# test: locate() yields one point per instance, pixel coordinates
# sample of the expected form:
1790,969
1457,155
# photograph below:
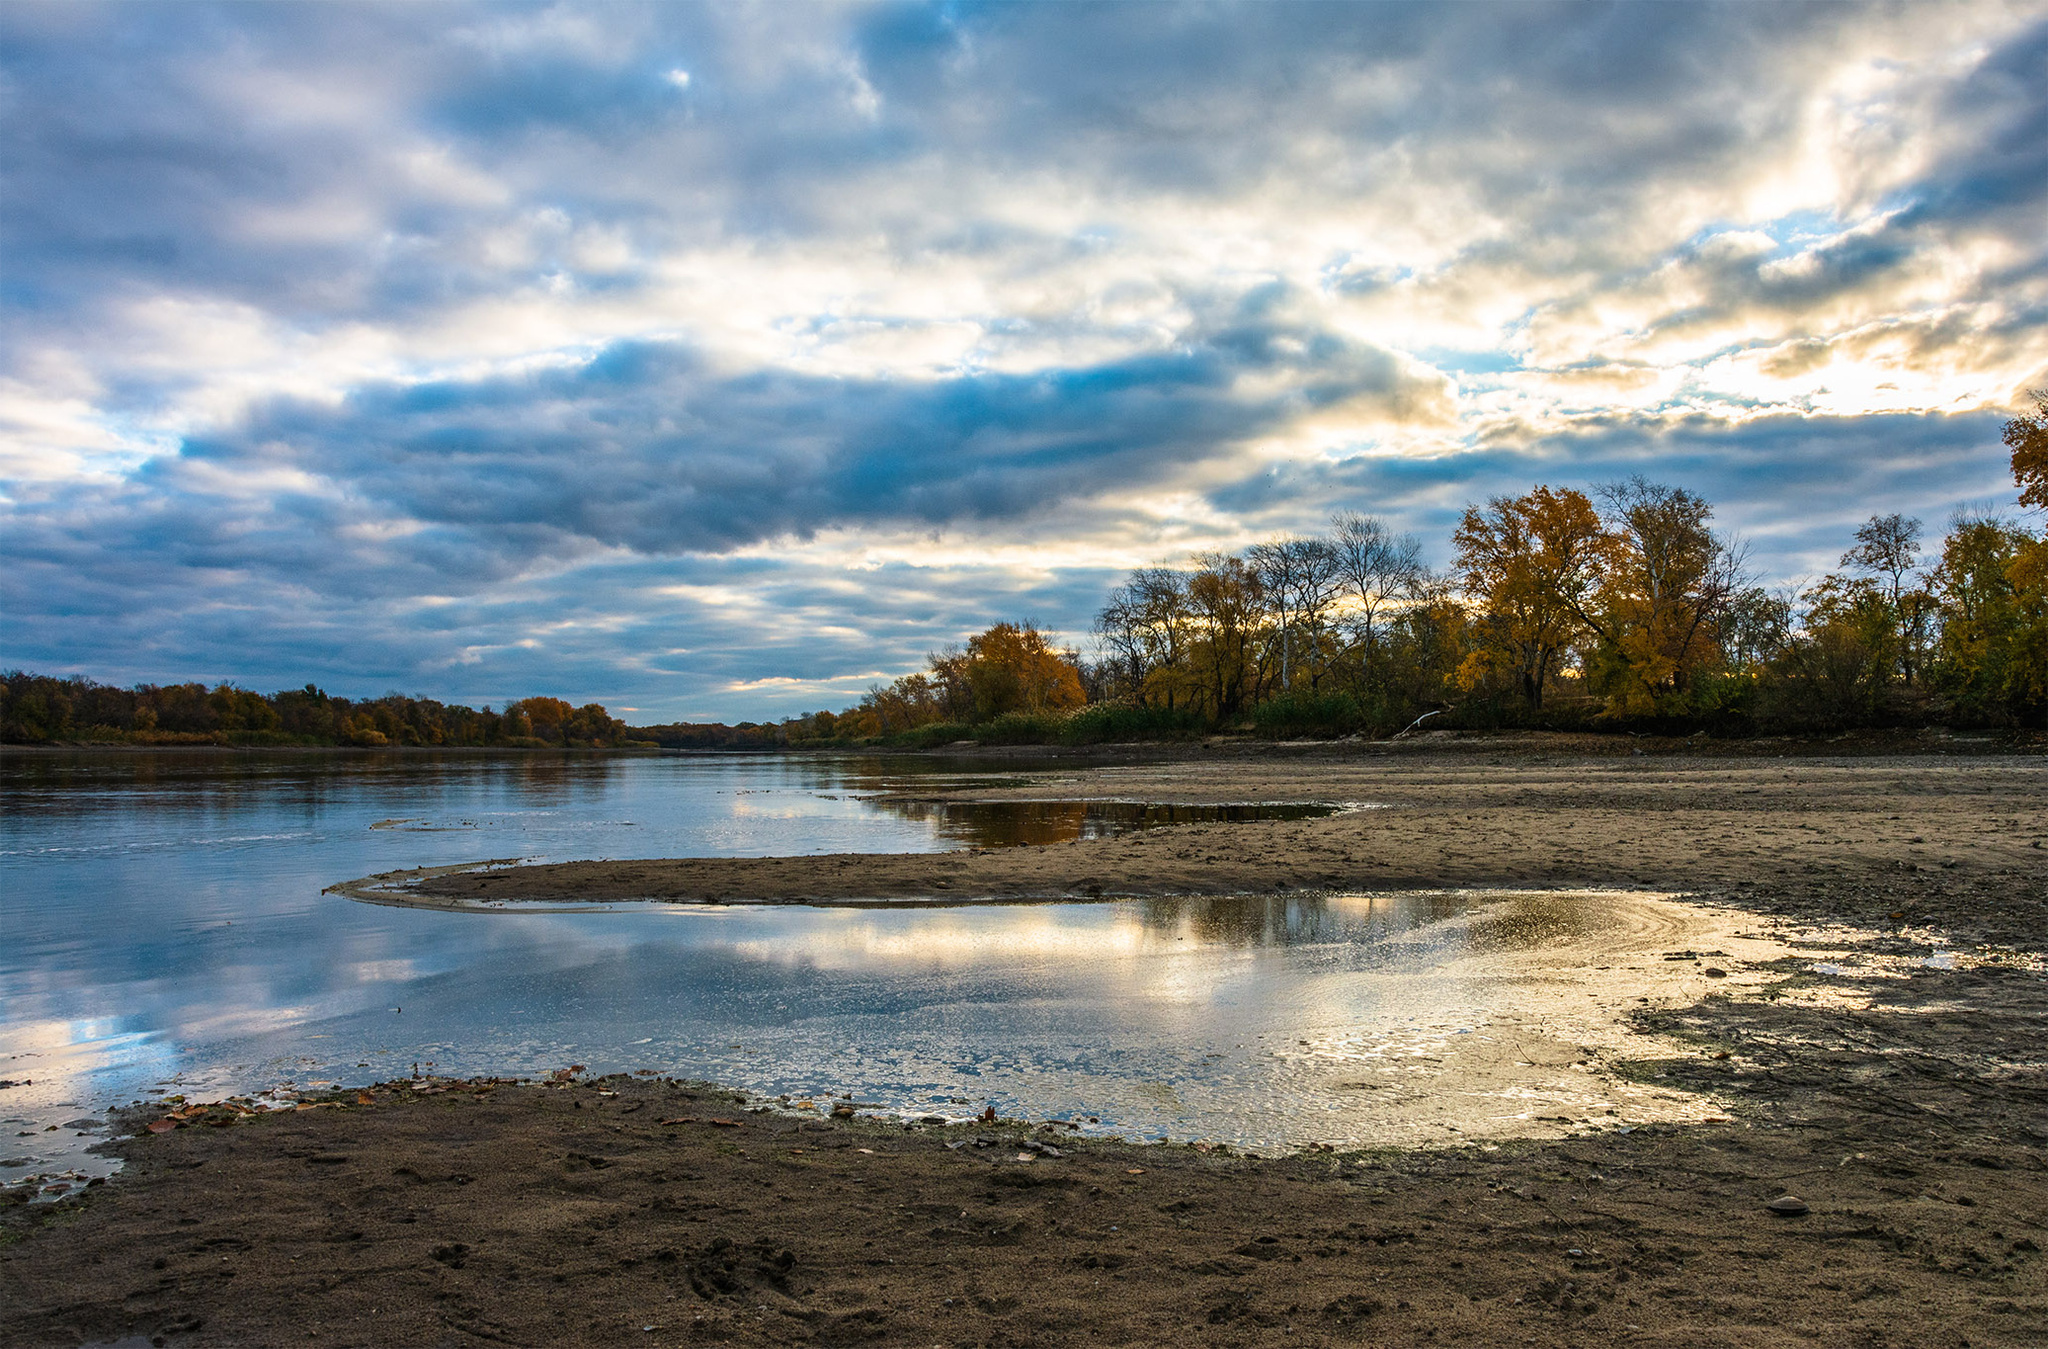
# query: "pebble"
1788,1206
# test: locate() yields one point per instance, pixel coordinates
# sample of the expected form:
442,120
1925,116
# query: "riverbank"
1899,1088
1938,840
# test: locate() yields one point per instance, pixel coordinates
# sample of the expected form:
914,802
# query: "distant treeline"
40,709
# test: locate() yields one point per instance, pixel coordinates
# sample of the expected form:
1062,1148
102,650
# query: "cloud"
459,346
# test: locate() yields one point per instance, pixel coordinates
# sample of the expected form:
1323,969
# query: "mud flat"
1880,1051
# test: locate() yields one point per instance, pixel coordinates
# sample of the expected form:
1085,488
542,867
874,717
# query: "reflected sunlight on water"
166,931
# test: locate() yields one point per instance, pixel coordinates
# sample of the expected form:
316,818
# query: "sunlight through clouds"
682,316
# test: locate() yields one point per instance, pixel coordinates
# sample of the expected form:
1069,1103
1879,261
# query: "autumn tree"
2027,437
545,716
1014,668
1663,580
1529,565
1229,604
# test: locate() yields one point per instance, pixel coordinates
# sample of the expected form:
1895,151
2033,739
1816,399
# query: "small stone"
1789,1206
1712,973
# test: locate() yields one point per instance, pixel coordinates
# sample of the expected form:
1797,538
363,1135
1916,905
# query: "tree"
1754,628
1229,605
1375,569
1529,564
547,716
1888,547
1147,627
1013,668
2027,438
1300,579
1663,580
1991,658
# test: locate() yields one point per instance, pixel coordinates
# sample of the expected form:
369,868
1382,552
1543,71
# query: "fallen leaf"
866,1152
1134,1170
681,1119
364,1098
162,1126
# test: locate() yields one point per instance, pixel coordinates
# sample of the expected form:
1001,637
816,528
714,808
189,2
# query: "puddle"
999,824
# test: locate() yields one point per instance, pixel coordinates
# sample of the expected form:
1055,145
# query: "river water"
163,930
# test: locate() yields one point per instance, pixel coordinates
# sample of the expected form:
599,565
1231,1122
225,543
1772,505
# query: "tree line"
41,709
1619,607
1622,607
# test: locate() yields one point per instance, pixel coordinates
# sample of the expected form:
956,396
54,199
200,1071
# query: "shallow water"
166,932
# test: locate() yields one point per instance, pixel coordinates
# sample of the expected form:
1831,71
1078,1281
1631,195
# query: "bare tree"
1300,577
1376,569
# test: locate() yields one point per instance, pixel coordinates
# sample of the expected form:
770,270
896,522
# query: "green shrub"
1021,728
1115,721
1302,714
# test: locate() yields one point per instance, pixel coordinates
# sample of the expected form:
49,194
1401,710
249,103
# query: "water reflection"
998,824
165,930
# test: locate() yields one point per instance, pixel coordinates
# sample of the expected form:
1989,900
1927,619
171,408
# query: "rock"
841,1110
1789,1206
1713,973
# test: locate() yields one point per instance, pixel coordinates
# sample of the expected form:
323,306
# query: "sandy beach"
1880,1051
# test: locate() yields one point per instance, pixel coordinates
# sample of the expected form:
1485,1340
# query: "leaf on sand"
364,1098
162,1126
681,1119
1134,1170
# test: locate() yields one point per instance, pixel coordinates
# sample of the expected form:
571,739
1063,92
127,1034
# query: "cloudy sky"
719,361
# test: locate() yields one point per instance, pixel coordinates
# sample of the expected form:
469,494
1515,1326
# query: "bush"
1115,721
1301,714
1021,728
931,735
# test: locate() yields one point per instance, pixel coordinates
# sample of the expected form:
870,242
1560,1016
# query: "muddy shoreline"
1908,1108
1932,837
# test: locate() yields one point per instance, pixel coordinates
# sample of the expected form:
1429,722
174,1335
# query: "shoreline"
1799,836
1903,1100
1862,742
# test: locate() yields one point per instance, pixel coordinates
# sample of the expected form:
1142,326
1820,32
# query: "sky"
717,362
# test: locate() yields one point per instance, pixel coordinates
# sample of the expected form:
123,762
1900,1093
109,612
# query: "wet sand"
1906,1102
1932,836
